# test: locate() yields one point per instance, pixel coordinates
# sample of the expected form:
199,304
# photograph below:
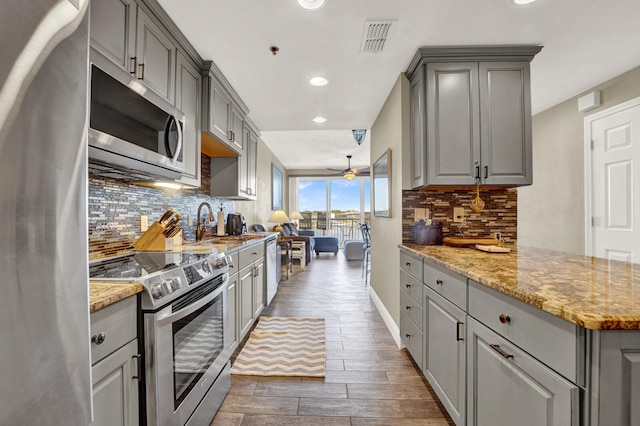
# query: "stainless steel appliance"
234,224
44,309
273,265
130,136
185,315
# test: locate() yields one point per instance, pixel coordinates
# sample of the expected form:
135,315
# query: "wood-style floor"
369,381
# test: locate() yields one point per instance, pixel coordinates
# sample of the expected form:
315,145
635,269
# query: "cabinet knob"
439,281
408,308
99,338
504,318
407,285
407,264
407,335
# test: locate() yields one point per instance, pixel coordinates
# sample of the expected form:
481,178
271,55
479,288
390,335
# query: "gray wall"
390,130
551,211
259,211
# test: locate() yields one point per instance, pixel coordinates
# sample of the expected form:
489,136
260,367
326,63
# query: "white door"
615,180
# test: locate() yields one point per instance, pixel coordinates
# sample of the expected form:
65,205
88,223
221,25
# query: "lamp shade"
295,215
349,175
279,216
358,135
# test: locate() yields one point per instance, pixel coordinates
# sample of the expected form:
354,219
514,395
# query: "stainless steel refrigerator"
45,368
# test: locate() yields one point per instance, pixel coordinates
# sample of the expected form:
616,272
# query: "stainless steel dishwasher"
272,267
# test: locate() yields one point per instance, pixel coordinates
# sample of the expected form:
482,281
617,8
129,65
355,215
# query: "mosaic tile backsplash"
500,213
115,207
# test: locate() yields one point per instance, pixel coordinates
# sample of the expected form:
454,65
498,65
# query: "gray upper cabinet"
223,112
132,42
188,100
471,116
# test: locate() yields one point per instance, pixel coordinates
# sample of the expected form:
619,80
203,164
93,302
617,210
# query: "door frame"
588,161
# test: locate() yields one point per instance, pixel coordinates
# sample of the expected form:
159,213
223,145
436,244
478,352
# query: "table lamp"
279,217
295,215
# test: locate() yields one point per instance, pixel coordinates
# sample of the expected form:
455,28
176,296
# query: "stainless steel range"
185,317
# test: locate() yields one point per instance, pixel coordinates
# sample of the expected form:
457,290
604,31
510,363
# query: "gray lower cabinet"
411,312
245,302
445,352
233,312
188,100
115,364
507,386
258,289
471,116
251,287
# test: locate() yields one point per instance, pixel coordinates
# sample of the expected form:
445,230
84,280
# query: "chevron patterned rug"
284,347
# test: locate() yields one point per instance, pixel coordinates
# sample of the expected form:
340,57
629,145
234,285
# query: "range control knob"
157,291
176,283
166,285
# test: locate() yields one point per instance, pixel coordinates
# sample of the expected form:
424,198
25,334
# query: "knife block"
154,240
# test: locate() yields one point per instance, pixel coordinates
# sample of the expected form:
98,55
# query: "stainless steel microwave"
131,137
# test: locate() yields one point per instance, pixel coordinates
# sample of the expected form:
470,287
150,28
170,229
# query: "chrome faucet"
201,227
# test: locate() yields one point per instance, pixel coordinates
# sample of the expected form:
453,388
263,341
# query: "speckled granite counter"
103,294
586,291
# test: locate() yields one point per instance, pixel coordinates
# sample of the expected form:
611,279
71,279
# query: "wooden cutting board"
463,242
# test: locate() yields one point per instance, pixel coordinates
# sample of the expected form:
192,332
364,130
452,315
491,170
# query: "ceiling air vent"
376,34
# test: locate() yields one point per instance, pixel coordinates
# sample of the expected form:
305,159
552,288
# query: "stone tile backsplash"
115,207
500,213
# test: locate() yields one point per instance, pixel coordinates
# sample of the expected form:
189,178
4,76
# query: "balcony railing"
343,226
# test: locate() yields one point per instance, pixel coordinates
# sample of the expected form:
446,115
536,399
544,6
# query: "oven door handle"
188,310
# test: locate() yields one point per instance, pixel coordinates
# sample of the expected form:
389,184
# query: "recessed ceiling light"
311,4
319,120
318,81
523,1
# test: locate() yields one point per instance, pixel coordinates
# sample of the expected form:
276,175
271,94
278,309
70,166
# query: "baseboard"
386,317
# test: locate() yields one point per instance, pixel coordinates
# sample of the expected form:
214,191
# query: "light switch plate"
458,214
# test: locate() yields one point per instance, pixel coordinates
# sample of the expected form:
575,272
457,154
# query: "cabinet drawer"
235,263
411,308
117,324
412,338
251,254
412,286
411,264
446,283
550,339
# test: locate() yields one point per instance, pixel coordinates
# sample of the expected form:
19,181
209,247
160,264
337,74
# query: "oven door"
186,348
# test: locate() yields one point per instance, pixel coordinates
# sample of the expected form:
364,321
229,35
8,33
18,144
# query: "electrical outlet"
420,213
458,214
144,222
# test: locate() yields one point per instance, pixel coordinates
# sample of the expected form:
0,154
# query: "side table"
298,255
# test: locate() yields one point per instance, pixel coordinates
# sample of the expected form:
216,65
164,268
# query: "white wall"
259,211
551,211
390,130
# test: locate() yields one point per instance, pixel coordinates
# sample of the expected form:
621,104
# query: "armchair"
290,232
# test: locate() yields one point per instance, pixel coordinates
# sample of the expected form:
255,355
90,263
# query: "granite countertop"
590,292
105,293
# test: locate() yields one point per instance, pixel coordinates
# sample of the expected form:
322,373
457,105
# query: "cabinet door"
506,386
453,123
115,390
418,141
156,54
243,166
237,130
505,123
233,312
445,354
188,100
219,111
259,289
252,164
245,293
113,31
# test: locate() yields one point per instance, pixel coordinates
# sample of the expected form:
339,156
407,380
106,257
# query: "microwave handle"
175,156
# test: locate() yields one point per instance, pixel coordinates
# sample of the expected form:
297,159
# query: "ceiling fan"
350,173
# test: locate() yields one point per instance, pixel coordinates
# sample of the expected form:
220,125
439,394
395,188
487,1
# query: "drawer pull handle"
407,285
99,338
407,264
439,281
407,335
138,375
501,352
504,318
458,335
408,308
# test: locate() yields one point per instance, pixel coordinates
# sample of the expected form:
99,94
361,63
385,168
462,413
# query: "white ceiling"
586,42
